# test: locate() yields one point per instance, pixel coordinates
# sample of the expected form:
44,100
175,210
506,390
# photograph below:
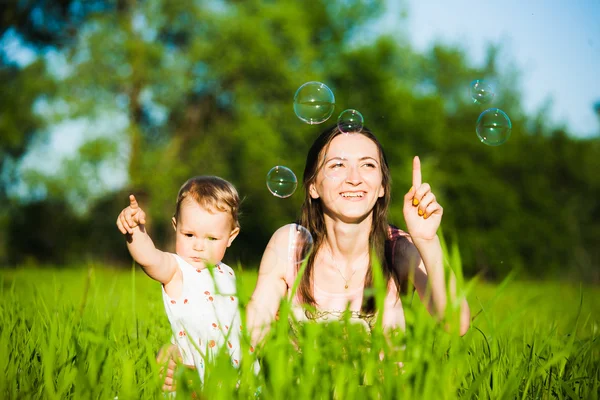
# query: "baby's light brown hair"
212,193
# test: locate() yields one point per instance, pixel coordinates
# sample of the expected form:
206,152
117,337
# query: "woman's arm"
430,282
270,287
423,215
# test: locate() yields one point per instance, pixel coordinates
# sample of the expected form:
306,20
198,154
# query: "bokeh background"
102,98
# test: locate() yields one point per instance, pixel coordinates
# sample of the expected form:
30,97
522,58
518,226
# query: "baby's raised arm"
157,264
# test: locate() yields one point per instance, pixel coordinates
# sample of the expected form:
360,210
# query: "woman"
347,194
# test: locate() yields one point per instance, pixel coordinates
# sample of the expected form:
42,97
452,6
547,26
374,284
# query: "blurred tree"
18,123
200,94
174,89
53,23
36,25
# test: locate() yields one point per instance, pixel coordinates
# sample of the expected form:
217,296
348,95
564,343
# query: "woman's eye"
369,165
337,165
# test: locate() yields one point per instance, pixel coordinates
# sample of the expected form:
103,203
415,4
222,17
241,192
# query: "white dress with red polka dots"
206,317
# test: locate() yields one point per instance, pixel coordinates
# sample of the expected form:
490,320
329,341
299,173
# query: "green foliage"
207,88
18,123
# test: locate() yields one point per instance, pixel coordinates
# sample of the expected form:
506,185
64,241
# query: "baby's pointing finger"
133,202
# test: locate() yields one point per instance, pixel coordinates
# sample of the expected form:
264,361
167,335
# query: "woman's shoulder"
279,244
282,250
286,228
285,235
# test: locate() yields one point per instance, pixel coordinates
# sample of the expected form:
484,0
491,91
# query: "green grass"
93,332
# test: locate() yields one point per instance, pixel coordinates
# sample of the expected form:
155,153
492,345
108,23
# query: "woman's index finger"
416,175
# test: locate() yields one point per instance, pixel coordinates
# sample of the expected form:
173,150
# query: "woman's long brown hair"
312,218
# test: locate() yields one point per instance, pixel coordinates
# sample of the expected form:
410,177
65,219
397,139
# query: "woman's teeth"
352,194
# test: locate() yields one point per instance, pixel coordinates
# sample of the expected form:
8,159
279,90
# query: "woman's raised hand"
422,212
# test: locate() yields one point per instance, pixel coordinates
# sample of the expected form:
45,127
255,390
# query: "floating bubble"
350,121
301,244
281,181
314,102
481,92
493,127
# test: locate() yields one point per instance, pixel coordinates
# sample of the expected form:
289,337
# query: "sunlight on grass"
95,331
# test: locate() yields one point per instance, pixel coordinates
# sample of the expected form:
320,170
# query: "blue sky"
555,44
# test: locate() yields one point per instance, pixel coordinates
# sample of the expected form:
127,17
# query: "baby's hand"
131,217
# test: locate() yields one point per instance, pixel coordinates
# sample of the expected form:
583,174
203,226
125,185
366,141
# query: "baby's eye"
188,235
212,238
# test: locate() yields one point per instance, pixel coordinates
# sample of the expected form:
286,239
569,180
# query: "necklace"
346,281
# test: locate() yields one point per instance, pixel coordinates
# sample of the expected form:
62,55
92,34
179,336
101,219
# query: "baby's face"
202,236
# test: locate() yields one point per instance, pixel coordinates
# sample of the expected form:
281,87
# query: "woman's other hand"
422,212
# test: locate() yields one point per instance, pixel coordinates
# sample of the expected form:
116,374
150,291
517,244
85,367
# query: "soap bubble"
314,102
281,181
350,121
301,244
481,92
493,127
298,247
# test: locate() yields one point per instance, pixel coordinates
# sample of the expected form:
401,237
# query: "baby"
199,291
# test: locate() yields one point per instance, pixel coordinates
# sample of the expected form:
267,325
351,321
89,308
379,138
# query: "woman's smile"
353,195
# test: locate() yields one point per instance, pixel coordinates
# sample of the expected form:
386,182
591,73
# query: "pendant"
346,286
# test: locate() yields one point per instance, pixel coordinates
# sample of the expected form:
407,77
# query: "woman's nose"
353,176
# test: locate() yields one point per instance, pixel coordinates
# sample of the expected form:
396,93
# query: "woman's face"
349,181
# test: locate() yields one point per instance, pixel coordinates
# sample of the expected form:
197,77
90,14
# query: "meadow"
93,331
